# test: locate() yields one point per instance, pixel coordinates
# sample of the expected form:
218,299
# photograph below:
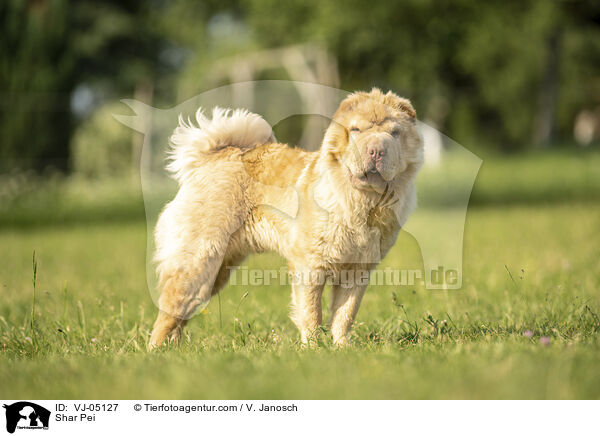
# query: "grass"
74,319
27,200
93,314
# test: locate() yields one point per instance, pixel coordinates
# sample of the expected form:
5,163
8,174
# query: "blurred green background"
504,79
516,82
494,76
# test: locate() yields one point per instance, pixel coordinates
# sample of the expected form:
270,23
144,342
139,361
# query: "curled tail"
235,128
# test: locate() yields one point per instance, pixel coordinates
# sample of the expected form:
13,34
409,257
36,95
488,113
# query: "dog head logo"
443,193
26,415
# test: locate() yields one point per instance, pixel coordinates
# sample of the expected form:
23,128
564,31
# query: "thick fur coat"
337,209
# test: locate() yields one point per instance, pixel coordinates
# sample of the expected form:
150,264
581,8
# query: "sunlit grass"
93,314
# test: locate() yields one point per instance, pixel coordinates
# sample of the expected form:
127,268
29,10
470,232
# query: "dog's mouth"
367,181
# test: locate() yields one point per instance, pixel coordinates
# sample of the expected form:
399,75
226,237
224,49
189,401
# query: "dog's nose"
376,151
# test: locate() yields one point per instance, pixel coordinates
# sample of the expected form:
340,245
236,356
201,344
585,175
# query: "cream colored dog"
351,197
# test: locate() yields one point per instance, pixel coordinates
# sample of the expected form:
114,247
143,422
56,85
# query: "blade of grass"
220,313
33,332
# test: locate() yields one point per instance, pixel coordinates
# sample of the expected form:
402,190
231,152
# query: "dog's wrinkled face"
373,135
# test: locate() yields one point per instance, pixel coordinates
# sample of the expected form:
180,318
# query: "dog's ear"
399,103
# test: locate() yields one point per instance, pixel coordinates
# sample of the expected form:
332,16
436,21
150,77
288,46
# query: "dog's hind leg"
193,235
183,290
165,325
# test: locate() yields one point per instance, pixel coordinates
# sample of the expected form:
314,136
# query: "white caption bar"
299,417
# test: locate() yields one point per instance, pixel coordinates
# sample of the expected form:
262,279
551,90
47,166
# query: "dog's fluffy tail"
235,128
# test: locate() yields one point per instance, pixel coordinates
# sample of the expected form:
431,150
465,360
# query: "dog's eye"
354,130
396,133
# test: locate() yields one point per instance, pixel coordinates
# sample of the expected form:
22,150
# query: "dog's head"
373,137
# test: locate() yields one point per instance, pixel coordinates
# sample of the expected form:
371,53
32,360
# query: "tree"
47,48
499,67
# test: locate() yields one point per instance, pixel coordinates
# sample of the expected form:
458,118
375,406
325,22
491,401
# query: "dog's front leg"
344,306
307,292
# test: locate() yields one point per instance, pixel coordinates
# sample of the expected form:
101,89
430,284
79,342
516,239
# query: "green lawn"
93,313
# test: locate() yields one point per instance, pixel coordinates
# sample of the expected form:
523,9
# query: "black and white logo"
26,415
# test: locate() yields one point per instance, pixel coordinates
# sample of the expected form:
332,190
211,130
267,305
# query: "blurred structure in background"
434,144
587,126
302,63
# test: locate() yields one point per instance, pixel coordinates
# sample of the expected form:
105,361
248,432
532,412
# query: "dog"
351,199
